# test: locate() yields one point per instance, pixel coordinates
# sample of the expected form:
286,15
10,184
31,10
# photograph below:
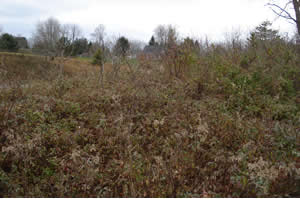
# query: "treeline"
9,42
50,37
53,38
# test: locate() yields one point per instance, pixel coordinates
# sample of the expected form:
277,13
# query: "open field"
219,130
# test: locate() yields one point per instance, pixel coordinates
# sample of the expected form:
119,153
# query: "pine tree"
8,42
262,35
152,41
264,32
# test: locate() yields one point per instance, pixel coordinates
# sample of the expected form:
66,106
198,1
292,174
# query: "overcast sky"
137,19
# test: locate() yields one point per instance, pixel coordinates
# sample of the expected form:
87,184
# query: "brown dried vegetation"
213,129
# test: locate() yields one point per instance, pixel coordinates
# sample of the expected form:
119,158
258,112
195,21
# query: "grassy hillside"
215,125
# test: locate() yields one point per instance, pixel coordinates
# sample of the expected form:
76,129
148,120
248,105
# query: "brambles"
218,129
179,61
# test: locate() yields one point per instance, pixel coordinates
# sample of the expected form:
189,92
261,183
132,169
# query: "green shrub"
98,58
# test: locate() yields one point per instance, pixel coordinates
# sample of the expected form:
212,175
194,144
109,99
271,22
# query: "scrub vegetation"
192,119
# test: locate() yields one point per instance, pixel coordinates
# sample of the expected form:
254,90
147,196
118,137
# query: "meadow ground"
224,131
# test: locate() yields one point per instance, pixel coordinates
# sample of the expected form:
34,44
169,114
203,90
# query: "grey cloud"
20,16
18,29
18,11
135,18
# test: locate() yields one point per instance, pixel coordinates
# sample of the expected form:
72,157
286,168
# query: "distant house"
153,50
131,56
22,42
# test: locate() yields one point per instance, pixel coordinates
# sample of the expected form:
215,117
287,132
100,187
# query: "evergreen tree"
152,41
122,46
80,46
262,35
8,42
264,32
98,58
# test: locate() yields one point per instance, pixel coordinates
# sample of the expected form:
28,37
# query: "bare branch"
283,12
284,8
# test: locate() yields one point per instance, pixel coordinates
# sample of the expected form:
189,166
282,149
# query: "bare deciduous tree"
285,10
47,35
99,36
71,31
1,29
166,35
76,32
136,47
161,35
233,39
65,30
64,41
